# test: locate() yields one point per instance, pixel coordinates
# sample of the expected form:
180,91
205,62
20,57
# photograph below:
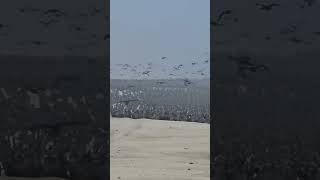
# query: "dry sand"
144,149
155,150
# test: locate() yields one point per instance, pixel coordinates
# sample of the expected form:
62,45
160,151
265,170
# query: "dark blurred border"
67,136
265,126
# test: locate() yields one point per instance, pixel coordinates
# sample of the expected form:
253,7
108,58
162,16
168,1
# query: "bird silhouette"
186,82
36,90
55,12
126,102
39,42
77,27
245,64
146,73
223,13
214,23
107,36
308,3
3,26
163,57
178,67
290,29
267,7
160,82
298,41
48,22
27,10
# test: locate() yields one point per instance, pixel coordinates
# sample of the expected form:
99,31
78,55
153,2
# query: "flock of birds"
52,18
290,33
162,69
227,14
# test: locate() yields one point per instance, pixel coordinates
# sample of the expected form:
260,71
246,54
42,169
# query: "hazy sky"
143,31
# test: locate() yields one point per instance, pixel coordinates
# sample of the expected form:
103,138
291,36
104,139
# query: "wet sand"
143,149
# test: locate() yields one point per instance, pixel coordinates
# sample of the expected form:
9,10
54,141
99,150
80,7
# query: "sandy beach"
144,149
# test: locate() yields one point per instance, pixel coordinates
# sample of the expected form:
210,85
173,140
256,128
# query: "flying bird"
246,64
55,12
160,82
178,67
146,73
223,13
267,7
214,23
77,27
48,22
3,26
290,29
163,57
107,36
23,10
298,41
126,102
187,82
39,43
36,90
308,3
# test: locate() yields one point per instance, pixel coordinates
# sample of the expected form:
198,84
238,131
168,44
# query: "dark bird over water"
163,57
146,73
267,7
160,82
186,82
178,67
126,102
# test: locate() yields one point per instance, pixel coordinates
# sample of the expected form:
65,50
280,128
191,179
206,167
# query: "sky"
144,31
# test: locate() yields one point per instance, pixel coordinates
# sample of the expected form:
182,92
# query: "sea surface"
162,99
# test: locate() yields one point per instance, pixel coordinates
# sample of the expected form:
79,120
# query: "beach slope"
144,149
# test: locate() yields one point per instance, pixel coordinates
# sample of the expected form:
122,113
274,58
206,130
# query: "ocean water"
164,99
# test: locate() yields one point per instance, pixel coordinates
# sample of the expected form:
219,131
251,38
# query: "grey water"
162,99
